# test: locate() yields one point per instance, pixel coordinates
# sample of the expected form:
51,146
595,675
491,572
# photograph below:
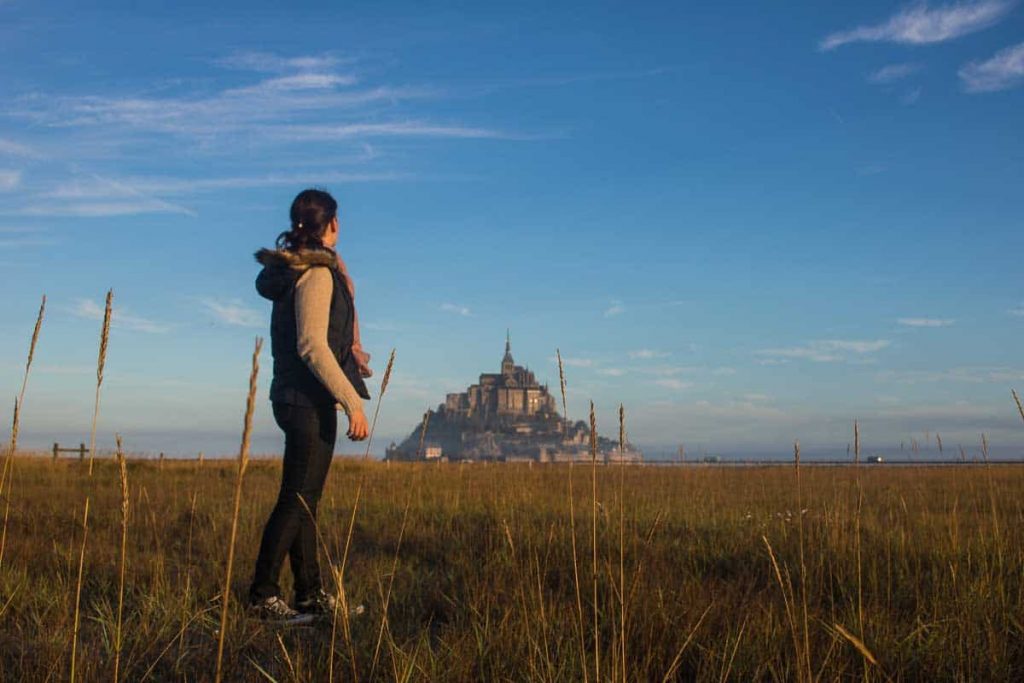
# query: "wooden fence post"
55,447
81,451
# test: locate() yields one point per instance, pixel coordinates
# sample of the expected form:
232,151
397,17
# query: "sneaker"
323,604
277,610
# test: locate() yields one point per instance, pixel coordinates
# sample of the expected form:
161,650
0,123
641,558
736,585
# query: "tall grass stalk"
593,481
243,462
572,528
340,571
1016,399
423,433
122,468
622,539
391,583
101,361
803,565
7,476
78,590
856,442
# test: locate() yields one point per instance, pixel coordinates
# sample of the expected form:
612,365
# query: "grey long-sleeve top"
313,292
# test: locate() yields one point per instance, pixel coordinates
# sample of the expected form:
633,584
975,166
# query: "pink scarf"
362,357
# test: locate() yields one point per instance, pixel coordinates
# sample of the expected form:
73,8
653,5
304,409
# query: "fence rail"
81,450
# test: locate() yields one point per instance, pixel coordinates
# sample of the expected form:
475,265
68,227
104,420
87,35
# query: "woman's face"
330,238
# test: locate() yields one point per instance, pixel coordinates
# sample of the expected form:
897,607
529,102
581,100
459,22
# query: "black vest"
293,381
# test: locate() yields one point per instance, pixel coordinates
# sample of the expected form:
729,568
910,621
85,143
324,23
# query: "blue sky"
749,224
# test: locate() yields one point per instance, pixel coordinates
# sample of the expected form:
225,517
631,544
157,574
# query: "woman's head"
314,216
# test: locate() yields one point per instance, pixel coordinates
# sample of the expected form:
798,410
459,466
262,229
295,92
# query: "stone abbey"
505,416
513,392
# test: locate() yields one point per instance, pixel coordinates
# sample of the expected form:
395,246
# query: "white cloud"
969,375
455,308
306,81
391,129
724,371
911,96
926,322
570,362
1004,70
269,62
102,209
16,149
91,310
615,308
673,384
12,238
9,179
894,72
756,398
647,353
919,25
824,351
98,188
233,312
612,372
1017,312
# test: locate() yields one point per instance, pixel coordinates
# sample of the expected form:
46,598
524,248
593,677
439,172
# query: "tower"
507,364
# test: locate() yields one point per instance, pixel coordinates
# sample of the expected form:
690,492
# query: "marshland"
488,572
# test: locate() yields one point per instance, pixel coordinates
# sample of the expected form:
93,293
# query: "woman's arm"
312,312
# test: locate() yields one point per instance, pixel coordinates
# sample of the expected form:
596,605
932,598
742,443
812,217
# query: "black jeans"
309,436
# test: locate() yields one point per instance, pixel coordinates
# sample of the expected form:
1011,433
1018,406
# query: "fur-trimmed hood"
282,267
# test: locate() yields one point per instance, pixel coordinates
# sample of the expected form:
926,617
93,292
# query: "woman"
315,373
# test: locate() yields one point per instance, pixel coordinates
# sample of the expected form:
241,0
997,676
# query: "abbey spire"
507,364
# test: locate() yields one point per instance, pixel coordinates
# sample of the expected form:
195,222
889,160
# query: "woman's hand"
358,429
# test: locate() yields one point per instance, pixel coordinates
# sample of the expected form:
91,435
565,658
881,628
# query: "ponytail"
312,211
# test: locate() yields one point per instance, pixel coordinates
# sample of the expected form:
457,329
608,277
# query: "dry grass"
101,361
122,470
7,475
243,463
912,549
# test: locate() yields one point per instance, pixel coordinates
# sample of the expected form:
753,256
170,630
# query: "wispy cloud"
911,96
1017,312
920,25
233,312
573,362
612,372
16,149
98,188
9,179
282,108
891,73
14,238
92,310
1003,71
673,383
926,322
391,129
307,81
647,353
615,307
970,375
269,62
825,351
455,308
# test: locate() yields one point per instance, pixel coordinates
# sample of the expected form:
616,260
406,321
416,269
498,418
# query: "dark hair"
312,211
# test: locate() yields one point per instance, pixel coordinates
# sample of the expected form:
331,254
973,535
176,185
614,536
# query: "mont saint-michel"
505,416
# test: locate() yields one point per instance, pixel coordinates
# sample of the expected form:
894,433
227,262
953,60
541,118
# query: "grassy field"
702,573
